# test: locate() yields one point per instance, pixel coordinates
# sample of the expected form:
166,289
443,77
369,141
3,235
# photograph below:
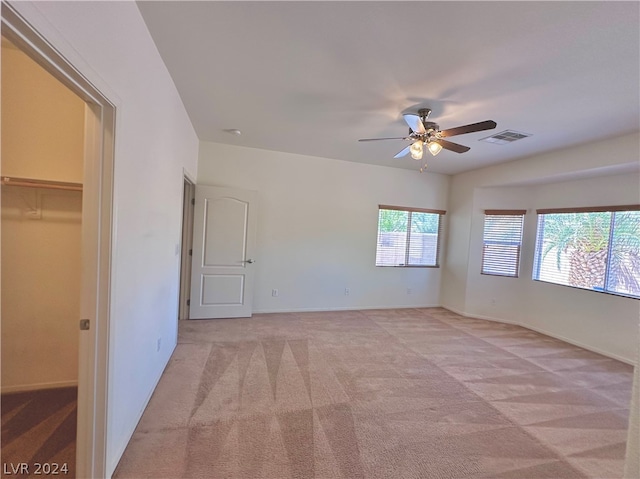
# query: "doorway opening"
188,202
42,172
59,207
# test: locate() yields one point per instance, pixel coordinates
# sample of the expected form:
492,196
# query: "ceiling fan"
423,132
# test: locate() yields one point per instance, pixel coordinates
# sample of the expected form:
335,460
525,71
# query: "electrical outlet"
346,291
493,302
274,293
158,344
34,214
409,291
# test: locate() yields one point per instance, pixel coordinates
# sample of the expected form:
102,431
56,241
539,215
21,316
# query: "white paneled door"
224,238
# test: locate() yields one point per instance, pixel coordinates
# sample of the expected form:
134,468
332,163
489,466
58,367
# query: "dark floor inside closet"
39,430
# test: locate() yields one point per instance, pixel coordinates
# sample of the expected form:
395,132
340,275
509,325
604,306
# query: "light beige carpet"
407,393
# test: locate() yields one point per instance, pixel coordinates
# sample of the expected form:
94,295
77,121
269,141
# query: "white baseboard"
20,388
629,361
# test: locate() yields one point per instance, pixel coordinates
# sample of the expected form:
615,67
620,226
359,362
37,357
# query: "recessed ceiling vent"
504,137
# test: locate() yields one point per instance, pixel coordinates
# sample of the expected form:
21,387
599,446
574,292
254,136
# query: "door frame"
97,211
188,201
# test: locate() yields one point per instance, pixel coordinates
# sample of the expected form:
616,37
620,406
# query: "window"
501,242
591,248
408,236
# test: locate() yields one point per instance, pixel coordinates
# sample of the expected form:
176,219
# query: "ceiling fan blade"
448,145
461,130
404,152
376,139
414,122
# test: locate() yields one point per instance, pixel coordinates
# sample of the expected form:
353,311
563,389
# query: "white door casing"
224,239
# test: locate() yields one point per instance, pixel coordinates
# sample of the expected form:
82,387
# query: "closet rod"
32,183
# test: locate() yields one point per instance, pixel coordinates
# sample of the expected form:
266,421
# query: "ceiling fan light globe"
416,150
434,148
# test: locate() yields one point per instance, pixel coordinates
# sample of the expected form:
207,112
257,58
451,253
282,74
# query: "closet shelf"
33,183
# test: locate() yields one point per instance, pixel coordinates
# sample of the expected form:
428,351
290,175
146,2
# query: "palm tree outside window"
590,248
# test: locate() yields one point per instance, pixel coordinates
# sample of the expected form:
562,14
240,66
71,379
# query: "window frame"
535,274
515,213
411,210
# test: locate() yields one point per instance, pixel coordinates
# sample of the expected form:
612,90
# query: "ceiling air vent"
504,137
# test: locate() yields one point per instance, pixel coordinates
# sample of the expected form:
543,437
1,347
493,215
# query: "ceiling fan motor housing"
431,133
431,127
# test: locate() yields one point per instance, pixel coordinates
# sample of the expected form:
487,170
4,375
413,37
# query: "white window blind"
408,236
590,248
501,242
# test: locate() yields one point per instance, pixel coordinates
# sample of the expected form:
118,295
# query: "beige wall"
317,228
42,122
42,137
601,322
40,288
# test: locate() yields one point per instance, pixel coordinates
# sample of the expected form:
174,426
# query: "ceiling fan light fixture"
434,148
422,131
416,150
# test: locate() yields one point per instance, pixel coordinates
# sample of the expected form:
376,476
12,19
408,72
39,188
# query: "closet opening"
56,176
42,173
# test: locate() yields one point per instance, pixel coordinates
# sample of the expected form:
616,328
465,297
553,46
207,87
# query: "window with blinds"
408,237
590,248
501,242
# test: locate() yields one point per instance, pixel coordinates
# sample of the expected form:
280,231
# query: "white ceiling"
314,77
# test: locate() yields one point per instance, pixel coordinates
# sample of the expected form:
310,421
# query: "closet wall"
42,138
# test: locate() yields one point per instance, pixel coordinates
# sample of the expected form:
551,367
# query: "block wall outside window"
408,237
